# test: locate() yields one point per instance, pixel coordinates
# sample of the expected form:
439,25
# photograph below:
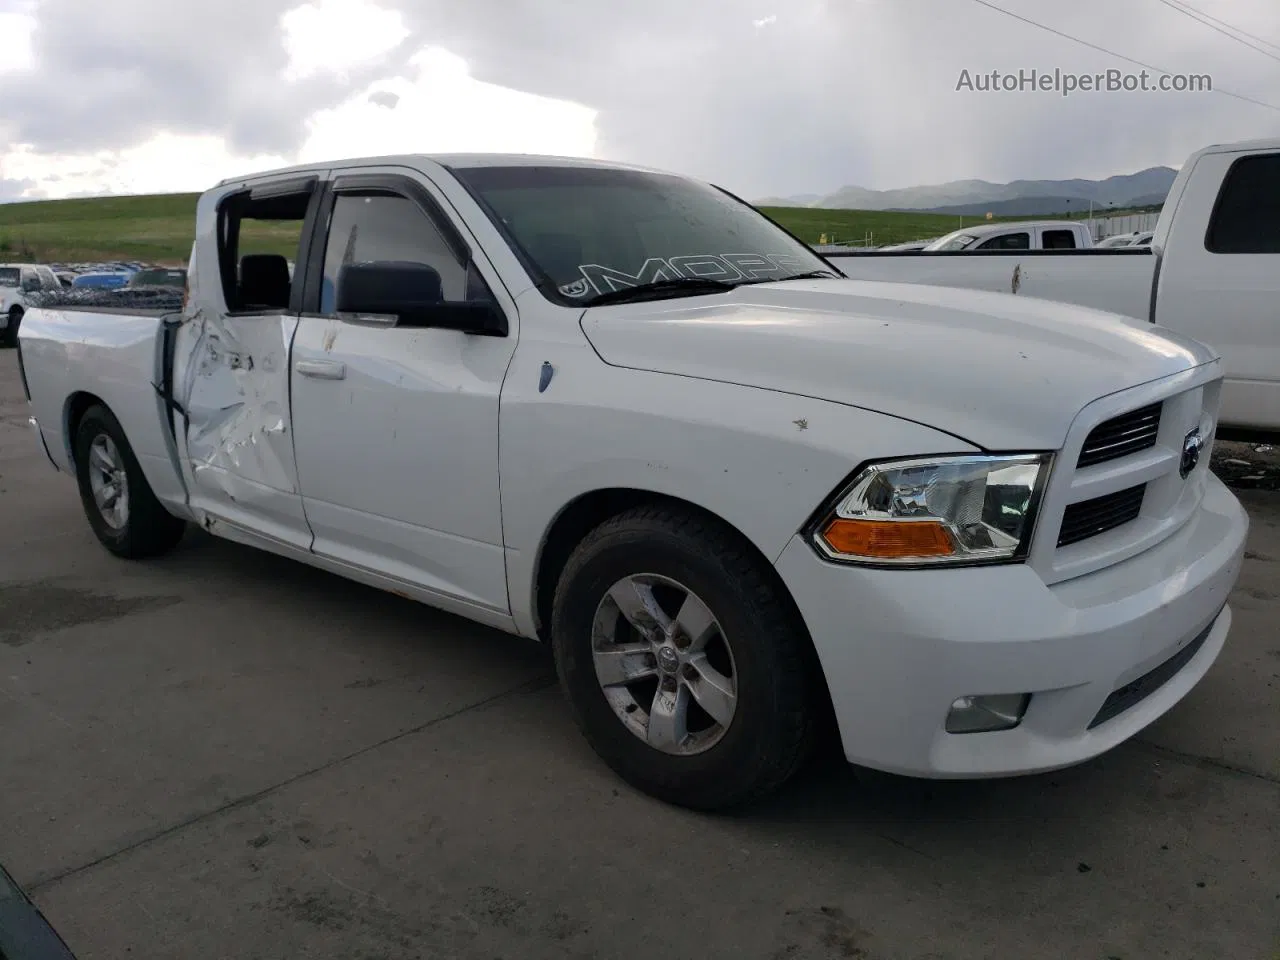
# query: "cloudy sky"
765,97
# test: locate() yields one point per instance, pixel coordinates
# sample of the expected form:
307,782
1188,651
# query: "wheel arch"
587,511
76,406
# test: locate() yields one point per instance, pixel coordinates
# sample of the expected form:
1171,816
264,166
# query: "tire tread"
152,530
791,743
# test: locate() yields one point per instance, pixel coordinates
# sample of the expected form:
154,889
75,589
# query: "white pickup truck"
1211,271
1021,235
18,283
622,412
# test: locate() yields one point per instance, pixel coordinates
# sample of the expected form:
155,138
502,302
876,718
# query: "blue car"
109,280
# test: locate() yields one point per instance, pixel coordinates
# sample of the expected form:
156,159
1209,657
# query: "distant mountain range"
1019,198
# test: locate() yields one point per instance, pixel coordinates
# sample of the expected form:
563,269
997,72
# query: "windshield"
587,231
10,276
952,241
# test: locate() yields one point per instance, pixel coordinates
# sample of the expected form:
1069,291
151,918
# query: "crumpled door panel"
235,391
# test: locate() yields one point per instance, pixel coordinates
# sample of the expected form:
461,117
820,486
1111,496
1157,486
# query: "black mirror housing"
414,295
387,287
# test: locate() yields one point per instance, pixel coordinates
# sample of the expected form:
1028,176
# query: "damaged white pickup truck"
622,412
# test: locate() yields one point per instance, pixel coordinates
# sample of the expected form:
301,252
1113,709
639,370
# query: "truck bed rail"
135,300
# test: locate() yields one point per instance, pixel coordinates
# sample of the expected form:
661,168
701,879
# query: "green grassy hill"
159,228
146,228
857,226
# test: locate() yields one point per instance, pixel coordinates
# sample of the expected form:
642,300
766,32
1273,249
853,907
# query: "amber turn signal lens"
888,540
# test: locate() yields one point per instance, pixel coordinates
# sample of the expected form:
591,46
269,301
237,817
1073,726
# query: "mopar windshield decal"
603,279
730,267
575,288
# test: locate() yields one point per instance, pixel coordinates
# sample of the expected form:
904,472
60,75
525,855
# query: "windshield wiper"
680,286
810,275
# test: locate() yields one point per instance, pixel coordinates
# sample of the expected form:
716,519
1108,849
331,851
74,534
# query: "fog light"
983,714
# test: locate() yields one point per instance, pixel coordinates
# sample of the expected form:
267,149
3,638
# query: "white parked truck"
1021,235
1210,270
18,283
622,412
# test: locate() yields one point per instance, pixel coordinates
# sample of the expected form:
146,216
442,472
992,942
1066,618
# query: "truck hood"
996,370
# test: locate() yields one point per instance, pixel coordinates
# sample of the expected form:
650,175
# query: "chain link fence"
1103,227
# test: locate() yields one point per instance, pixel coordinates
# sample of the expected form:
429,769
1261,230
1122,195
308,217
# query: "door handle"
321,369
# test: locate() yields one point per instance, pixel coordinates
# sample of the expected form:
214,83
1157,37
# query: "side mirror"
413,295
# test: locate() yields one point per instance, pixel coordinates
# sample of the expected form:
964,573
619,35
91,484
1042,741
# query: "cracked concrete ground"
223,754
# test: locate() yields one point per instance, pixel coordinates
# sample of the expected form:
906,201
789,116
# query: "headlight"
936,510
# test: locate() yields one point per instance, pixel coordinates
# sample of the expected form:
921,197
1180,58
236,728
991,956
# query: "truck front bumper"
1101,656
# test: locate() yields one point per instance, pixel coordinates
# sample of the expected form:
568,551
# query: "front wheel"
123,511
685,666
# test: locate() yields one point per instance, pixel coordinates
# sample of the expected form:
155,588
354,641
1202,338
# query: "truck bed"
73,356
1120,280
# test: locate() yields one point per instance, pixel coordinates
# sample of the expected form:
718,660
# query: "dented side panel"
231,382
239,445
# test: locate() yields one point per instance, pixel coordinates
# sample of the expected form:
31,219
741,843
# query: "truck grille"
1096,516
1088,518
1121,436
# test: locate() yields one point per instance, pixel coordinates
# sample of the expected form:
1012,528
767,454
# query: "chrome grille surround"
1188,401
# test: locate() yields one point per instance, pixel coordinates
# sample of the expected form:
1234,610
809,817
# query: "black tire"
773,725
149,529
11,329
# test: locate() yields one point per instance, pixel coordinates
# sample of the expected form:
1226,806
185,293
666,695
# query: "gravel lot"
223,754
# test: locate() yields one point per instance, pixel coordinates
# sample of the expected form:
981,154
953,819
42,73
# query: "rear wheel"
123,511
684,664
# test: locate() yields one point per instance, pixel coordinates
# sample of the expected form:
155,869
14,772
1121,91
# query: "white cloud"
774,109
336,35
436,107
440,108
167,163
16,30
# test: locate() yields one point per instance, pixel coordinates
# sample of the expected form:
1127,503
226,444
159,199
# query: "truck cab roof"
1261,145
453,160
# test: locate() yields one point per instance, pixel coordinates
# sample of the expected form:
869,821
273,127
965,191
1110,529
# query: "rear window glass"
9,276
1007,241
1247,217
